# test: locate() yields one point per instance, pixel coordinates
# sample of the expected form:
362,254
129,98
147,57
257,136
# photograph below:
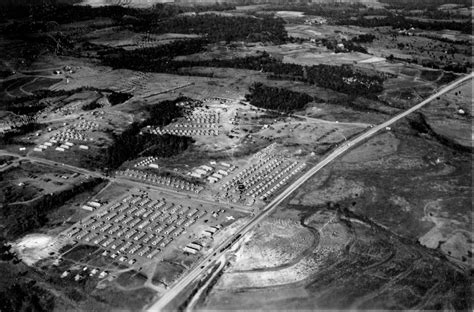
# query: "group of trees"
347,46
32,104
22,218
227,28
26,296
423,4
332,10
155,59
274,98
345,79
116,98
6,253
342,78
11,137
464,67
64,11
132,143
401,22
364,38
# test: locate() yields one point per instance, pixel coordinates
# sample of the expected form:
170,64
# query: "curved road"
201,268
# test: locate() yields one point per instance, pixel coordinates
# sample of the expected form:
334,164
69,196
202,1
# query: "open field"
385,266
277,243
25,182
450,117
398,190
128,40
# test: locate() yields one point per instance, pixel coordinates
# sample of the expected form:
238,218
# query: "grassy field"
407,176
373,269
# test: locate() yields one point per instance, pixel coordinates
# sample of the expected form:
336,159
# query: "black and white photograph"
236,155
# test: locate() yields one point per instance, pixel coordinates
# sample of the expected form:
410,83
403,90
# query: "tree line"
332,10
347,46
155,59
343,78
26,296
22,218
401,22
64,11
30,105
226,28
274,98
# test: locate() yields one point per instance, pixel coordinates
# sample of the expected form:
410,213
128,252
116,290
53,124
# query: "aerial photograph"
236,155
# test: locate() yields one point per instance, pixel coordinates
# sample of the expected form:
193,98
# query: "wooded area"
279,99
131,143
401,22
22,218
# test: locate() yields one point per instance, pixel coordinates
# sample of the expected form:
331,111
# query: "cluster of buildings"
83,273
92,205
151,178
18,121
69,108
266,174
200,122
203,116
184,132
58,145
70,134
147,162
216,99
77,131
213,173
86,125
136,227
317,20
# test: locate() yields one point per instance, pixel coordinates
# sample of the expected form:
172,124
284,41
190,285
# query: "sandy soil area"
35,247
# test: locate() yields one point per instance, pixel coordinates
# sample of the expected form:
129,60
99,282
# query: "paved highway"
201,268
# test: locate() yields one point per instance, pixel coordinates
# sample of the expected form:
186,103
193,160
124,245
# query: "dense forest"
344,79
11,137
364,38
423,4
131,143
26,296
157,59
224,28
63,11
276,98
